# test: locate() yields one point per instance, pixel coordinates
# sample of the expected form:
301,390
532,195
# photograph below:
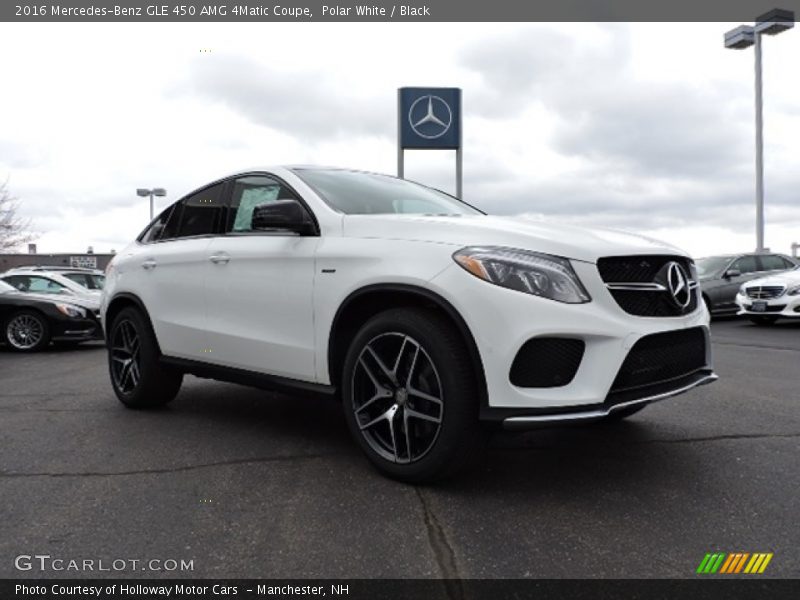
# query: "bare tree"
14,230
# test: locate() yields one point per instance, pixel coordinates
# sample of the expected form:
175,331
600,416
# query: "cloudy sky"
644,127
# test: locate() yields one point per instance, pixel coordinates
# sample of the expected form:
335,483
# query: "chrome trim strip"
521,422
637,287
643,287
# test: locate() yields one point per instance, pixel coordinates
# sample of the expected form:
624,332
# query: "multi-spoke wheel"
125,356
26,331
137,375
397,397
410,395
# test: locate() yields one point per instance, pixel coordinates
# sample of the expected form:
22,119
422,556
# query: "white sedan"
764,300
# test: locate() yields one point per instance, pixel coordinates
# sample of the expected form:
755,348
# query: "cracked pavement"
252,484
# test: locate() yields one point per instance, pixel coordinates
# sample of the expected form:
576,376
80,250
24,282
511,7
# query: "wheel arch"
125,300
365,302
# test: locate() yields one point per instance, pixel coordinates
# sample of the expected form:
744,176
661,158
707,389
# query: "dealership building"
85,260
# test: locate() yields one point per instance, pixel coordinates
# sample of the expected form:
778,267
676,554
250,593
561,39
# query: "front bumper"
502,320
75,330
782,306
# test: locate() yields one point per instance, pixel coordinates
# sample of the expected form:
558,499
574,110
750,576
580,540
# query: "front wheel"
27,331
409,395
137,376
763,320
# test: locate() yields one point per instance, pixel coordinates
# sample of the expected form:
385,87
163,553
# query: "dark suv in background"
721,276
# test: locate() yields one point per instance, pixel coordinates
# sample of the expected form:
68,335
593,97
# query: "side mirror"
285,215
731,273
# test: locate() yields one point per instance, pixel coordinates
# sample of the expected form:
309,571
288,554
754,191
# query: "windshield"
357,193
5,288
712,264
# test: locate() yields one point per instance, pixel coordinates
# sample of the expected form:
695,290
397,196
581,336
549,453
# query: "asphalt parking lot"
250,484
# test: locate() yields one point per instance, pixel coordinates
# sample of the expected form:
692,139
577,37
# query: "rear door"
171,270
259,288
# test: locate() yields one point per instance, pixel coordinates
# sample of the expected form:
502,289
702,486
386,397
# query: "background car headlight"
794,291
529,272
71,311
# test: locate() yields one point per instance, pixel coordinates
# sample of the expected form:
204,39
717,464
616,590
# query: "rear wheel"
26,331
137,376
763,320
410,396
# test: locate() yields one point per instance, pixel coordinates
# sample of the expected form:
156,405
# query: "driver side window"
746,264
248,193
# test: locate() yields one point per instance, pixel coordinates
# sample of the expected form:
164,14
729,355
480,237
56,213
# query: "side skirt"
272,383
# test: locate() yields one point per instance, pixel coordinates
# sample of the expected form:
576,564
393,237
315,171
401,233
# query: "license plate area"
759,306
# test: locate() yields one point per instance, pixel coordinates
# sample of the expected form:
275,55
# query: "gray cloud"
299,103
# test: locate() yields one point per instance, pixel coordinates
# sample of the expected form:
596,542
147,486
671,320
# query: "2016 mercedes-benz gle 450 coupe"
424,315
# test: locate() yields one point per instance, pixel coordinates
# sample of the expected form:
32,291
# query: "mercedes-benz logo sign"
430,117
678,285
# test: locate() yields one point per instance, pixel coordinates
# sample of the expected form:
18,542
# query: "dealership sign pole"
429,119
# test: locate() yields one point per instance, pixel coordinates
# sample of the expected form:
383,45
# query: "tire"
623,413
765,320
137,375
26,331
410,396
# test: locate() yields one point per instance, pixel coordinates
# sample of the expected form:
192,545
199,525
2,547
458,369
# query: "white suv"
426,317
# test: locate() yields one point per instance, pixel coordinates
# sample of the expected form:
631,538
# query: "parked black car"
721,276
30,322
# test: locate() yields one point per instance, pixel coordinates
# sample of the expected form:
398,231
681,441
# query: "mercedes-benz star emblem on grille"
678,285
430,117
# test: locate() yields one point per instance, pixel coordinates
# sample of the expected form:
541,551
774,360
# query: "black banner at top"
380,10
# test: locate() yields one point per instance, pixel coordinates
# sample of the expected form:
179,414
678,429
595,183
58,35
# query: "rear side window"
746,264
201,212
249,192
153,233
771,262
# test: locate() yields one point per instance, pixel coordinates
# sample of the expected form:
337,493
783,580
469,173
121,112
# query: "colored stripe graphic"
734,562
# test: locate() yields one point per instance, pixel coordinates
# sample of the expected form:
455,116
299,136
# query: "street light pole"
144,192
744,36
759,150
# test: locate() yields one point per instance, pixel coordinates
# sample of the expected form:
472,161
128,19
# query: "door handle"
150,263
220,259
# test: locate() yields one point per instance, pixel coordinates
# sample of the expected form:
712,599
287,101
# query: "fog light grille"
547,362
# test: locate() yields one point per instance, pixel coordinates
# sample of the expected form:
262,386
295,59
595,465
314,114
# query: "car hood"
570,241
787,278
87,303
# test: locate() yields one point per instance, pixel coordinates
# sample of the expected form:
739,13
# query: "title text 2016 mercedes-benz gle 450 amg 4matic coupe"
426,317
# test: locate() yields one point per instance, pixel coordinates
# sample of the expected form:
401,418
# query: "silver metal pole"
459,175
151,206
759,151
400,153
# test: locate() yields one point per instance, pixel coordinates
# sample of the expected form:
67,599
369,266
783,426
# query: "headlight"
530,272
742,291
71,311
794,291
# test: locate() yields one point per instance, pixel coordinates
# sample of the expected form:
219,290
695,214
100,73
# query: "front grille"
662,357
762,292
646,271
546,362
